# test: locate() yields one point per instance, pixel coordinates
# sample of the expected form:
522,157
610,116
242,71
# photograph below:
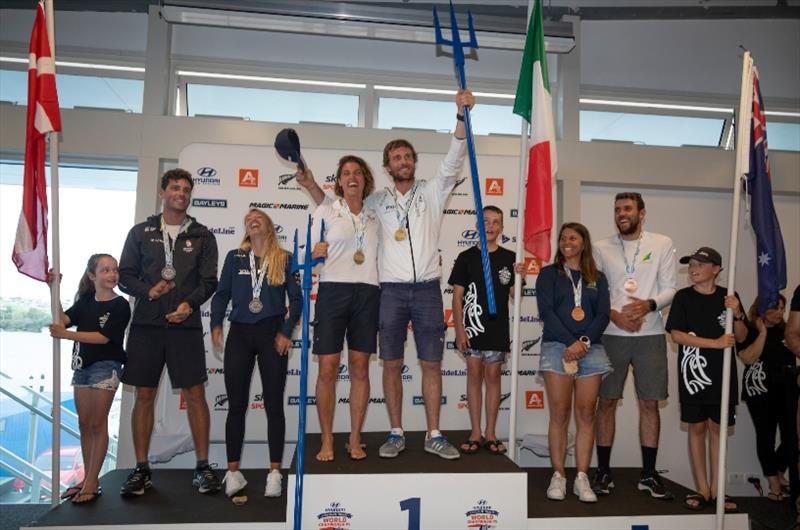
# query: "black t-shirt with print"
485,332
700,369
767,370
795,304
110,318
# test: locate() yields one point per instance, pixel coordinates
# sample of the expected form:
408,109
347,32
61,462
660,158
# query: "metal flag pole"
742,166
55,285
307,266
458,59
520,255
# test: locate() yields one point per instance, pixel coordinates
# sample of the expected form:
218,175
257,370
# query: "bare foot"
356,450
326,451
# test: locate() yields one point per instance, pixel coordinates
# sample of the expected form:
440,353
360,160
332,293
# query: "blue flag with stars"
771,258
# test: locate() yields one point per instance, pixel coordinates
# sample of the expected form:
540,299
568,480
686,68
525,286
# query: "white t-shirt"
415,258
655,273
340,234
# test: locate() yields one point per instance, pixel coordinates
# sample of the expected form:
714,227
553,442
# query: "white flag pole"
55,290
741,166
515,343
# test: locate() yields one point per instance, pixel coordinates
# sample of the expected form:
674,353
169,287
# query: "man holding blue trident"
409,270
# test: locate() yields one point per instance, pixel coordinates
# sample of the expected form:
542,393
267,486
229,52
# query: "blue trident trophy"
458,59
307,265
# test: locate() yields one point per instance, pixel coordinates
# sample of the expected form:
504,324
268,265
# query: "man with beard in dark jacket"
169,264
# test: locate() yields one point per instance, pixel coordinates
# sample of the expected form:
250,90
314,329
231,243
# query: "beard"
401,178
633,225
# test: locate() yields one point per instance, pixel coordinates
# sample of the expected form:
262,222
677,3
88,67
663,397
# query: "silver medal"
255,306
168,273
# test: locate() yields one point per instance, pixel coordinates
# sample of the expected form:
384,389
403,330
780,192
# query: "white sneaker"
234,482
274,488
557,491
582,488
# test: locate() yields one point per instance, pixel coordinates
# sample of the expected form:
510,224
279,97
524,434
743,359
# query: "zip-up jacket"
194,259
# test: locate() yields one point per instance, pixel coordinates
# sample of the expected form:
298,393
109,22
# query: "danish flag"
30,246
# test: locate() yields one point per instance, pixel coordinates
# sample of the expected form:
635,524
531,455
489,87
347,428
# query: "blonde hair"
273,262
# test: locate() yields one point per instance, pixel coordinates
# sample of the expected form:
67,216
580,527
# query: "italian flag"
533,90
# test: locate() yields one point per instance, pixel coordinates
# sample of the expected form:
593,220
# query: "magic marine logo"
334,517
458,211
209,203
482,516
208,176
279,205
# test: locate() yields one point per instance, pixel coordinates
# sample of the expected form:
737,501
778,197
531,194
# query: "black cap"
287,143
704,254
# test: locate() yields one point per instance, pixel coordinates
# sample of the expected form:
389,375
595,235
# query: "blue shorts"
103,375
595,362
349,309
420,304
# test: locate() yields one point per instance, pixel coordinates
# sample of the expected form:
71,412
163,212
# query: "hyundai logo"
206,171
469,234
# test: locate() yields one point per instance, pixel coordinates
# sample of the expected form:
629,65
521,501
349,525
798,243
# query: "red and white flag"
30,246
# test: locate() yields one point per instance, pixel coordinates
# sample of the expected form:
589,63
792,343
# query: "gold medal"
578,314
358,257
570,367
400,234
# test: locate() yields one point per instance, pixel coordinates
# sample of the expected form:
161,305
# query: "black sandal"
499,447
92,496
71,492
702,502
470,447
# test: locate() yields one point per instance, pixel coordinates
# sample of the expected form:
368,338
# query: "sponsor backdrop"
229,179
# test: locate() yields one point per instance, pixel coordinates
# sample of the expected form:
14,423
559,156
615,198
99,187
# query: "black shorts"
700,412
150,347
350,308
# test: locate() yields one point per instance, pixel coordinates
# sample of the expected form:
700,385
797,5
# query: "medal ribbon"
577,292
630,268
169,247
360,228
402,221
256,276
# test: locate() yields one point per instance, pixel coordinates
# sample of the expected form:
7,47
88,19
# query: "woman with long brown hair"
257,279
574,306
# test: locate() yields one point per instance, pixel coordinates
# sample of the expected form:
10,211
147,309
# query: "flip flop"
92,496
776,497
470,447
499,447
701,502
71,492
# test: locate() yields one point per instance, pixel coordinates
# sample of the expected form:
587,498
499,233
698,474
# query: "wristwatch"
653,305
584,339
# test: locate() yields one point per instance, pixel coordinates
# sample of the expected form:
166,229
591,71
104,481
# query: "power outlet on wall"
740,477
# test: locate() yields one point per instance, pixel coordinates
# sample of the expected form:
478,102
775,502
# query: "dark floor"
171,500
14,516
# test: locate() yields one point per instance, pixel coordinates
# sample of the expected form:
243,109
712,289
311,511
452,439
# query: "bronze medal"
630,285
400,234
358,257
578,314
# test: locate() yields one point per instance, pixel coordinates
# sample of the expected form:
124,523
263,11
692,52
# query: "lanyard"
402,221
577,292
169,247
630,268
360,228
256,276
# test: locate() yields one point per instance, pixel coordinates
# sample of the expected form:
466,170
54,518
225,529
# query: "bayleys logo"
209,203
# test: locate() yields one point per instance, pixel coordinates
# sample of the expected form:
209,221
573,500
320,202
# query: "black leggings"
245,344
777,410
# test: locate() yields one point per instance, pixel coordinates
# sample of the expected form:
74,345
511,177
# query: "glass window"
783,136
285,106
78,91
650,129
97,210
440,116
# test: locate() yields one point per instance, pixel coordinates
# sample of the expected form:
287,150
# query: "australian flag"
771,258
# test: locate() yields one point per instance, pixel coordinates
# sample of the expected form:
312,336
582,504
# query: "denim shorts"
420,304
488,356
595,362
103,375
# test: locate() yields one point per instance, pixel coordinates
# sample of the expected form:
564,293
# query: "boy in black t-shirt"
483,340
697,323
